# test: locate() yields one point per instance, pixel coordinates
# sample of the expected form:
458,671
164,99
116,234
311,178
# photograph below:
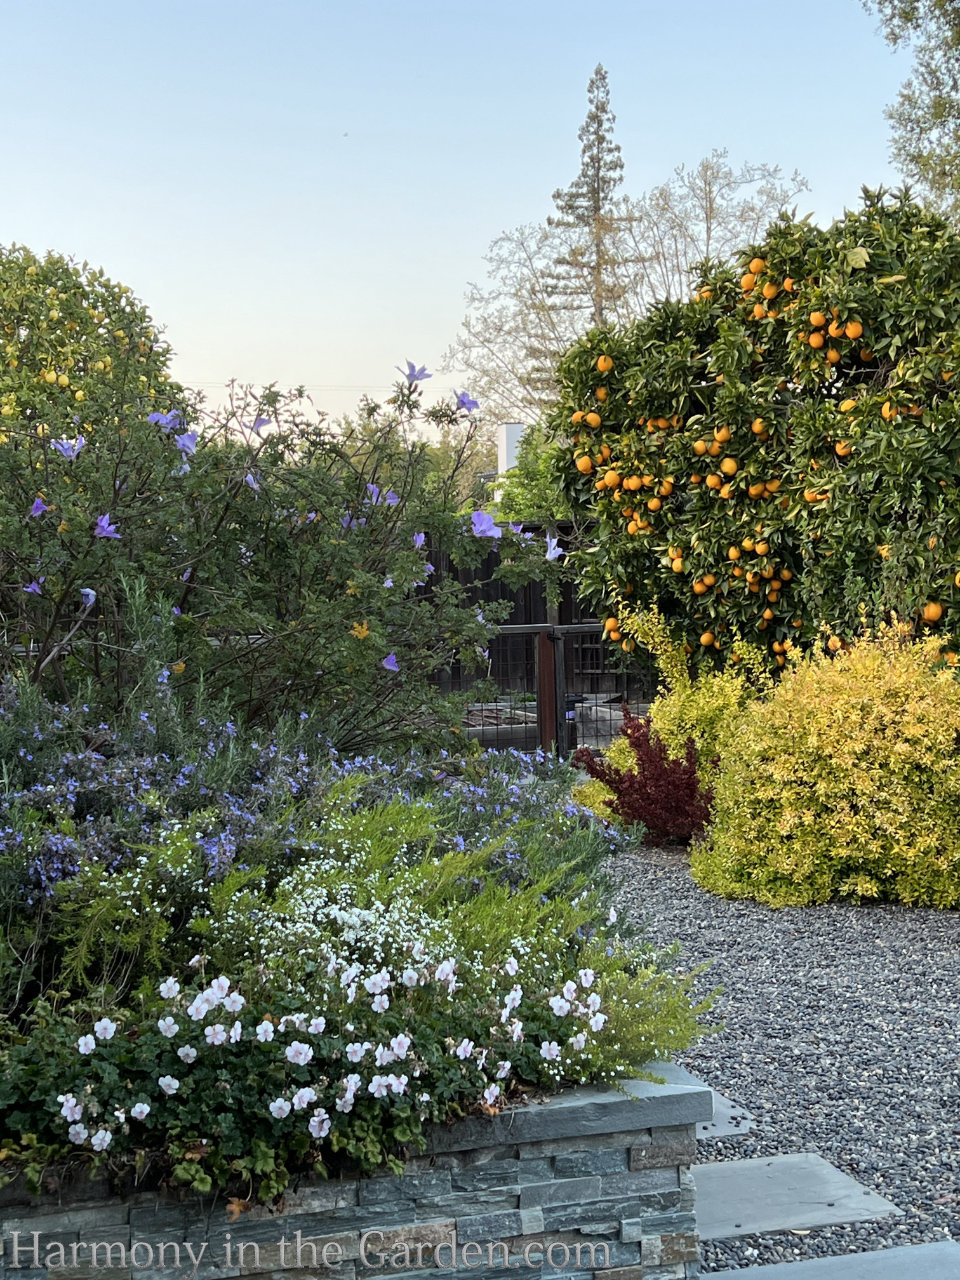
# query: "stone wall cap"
585,1111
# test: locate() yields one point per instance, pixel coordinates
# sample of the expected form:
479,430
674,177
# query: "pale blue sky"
301,190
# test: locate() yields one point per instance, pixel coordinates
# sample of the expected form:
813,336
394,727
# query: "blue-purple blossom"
69,448
165,420
554,551
258,425
251,480
413,374
465,402
33,588
88,596
390,498
390,662
39,507
418,540
484,526
388,582
104,529
186,443
515,528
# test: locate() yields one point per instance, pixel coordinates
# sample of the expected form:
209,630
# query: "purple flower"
390,498
388,582
252,481
483,526
39,507
88,596
413,374
186,575
515,528
104,529
464,402
418,540
554,551
33,588
69,448
390,662
374,493
187,443
258,425
165,420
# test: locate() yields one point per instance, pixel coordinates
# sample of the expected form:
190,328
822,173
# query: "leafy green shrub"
843,782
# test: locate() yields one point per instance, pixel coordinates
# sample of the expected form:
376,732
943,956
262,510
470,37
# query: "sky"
301,190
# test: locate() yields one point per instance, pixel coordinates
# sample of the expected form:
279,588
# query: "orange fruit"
699,447
847,405
756,490
593,420
768,614
762,548
748,544
733,553
816,340
757,265
710,579
835,329
853,328
605,452
632,527
726,491
866,355
788,284
817,319
714,481
601,393
612,480
843,448
932,612
758,311
748,281
699,587
676,565
604,363
769,290
615,635
628,646
610,624
577,417
773,486
584,465
715,448
721,434
757,426
729,466
654,504
666,488
833,356
695,479
786,574
707,639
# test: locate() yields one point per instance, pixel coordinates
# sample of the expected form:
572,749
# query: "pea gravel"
841,1035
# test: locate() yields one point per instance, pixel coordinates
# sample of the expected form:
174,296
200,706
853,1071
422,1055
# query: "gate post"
547,708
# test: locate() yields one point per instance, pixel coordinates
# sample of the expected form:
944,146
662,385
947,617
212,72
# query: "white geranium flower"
86,1044
140,1111
491,1094
167,1027
236,1032
317,1026
398,1084
550,1050
104,1029
598,1021
71,1109
379,1086
319,1125
169,1084
503,1070
298,1053
233,1002
77,1133
303,1097
356,1051
265,1032
187,1053
464,1049
380,1004
578,1042
216,1034
400,1045
587,977
410,978
279,1108
511,968
559,1006
569,991
101,1140
169,989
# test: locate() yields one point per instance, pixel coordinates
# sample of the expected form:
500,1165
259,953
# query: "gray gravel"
841,1035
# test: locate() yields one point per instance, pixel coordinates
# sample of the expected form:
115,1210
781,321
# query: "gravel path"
842,1034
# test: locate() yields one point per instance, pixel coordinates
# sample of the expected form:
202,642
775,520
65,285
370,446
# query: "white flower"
351,993
482,1060
356,1051
200,1006
516,1029
578,1042
104,1030
378,1086
71,1109
400,1045
303,1097
597,1021
464,1049
586,977
511,967
86,1044
569,990
167,1027
169,988
234,1002
503,1070
295,1020
352,1082
298,1053
101,1140
319,1125
593,1002
197,961
383,1057
219,987
378,982
349,975
550,1050
345,1103
445,970
418,951
380,1004
265,1032
409,978
120,1114
490,1094
317,1025
559,1006
236,1032
140,1111
216,1034
169,1084
612,917
398,1084
77,1133
279,1108
187,1053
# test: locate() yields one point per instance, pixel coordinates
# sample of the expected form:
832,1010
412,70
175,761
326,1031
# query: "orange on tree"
757,265
593,420
584,465
932,611
816,340
604,363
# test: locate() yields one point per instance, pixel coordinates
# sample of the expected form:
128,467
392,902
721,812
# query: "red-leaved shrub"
664,795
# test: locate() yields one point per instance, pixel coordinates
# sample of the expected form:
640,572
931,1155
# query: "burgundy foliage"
663,794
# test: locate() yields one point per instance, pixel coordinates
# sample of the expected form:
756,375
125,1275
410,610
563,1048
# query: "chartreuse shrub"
843,782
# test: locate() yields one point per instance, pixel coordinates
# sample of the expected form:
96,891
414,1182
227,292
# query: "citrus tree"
781,452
